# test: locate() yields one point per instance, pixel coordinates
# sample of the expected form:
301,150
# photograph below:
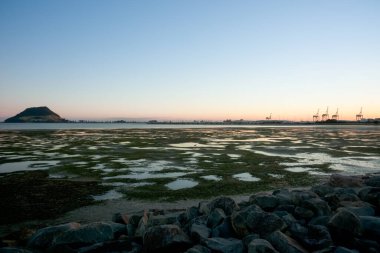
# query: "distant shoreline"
227,123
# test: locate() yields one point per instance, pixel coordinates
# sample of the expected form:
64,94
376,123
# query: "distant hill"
36,115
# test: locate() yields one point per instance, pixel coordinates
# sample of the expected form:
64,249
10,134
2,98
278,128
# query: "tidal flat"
174,164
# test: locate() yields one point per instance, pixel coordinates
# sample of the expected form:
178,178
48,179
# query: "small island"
40,114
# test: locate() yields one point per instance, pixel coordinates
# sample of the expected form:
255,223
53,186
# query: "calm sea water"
58,126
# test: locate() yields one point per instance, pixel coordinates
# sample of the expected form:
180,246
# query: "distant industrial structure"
335,117
316,116
326,115
359,116
270,117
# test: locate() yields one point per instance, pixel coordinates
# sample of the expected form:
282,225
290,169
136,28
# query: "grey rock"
198,249
365,245
266,202
299,196
322,189
120,218
223,245
227,204
261,246
333,200
321,221
284,196
253,220
249,238
370,195
344,250
338,180
203,208
155,220
284,243
318,206
165,238
13,250
371,226
288,219
287,208
373,181
303,213
135,219
85,235
348,197
344,226
43,238
312,237
215,217
191,213
360,211
112,246
199,232
224,230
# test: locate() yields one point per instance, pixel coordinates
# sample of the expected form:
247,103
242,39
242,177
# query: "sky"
191,59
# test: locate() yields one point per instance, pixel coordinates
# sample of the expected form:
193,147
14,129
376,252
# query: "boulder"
254,220
203,208
165,238
284,243
322,189
249,238
287,208
227,204
223,245
169,218
134,219
313,237
142,225
112,246
284,196
303,213
13,250
333,200
88,234
371,226
43,238
215,217
318,206
198,249
261,246
191,213
359,211
299,196
224,229
370,195
338,180
199,232
321,221
266,202
344,227
373,181
365,245
120,218
344,250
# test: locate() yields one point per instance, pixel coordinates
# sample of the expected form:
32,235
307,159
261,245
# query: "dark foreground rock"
341,216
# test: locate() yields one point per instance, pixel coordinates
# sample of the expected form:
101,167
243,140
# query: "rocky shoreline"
342,215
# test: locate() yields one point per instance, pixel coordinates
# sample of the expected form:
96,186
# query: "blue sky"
190,59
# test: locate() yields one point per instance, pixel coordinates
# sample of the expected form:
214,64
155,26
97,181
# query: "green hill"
36,115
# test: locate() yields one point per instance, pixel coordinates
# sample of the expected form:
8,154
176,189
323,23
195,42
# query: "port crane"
360,115
316,116
326,115
269,118
336,115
